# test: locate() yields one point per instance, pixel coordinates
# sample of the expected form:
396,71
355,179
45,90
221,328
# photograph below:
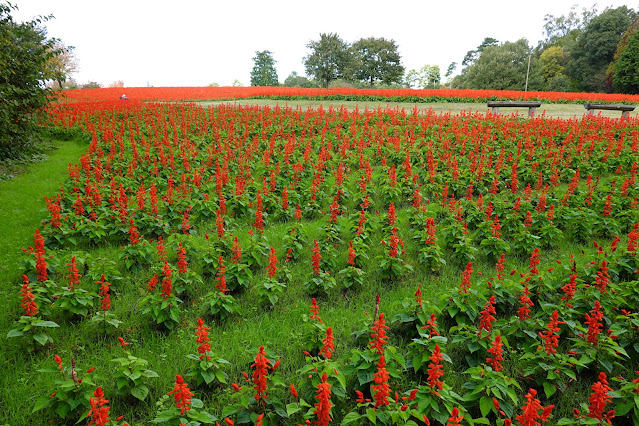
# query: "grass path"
23,207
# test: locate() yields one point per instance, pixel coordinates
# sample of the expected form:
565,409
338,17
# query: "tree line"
583,51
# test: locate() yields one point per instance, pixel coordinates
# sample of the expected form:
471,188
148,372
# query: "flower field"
378,95
278,266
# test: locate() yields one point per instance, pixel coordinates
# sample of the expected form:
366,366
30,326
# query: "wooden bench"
625,109
531,105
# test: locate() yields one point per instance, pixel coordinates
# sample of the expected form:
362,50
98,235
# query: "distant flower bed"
379,95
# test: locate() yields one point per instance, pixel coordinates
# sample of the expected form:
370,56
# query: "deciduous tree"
25,51
377,59
330,59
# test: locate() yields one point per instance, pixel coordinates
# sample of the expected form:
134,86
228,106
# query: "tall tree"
560,28
502,67
263,72
626,76
595,49
472,55
296,80
25,52
62,64
330,59
377,59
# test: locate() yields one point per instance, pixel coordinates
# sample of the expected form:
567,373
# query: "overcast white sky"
197,42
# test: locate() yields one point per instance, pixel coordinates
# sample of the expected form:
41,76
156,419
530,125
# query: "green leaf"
549,389
14,333
292,409
48,324
372,415
41,338
350,418
485,405
201,416
140,392
42,402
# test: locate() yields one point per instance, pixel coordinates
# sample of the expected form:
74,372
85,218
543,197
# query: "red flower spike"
381,389
272,264
487,317
28,299
328,346
323,404
181,394
261,366
99,412
202,333
435,369
378,335
454,419
531,415
594,322
550,336
495,351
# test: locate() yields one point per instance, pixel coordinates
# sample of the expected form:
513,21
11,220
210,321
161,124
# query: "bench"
531,105
625,109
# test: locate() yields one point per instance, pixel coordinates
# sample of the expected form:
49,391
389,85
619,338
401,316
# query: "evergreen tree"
263,72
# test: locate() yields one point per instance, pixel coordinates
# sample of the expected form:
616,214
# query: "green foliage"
503,67
24,53
595,48
296,80
626,76
330,58
264,72
377,59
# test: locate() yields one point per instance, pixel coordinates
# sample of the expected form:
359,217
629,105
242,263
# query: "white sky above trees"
198,42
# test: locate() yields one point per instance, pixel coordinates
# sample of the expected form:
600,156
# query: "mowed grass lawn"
550,110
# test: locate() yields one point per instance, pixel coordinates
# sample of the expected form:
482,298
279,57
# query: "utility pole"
527,72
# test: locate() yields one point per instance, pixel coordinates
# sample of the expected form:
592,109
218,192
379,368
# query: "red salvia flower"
181,259
418,295
28,298
435,369
58,361
454,419
152,282
105,298
534,261
531,414
526,303
314,308
167,283
431,231
495,351
293,390
528,220
378,335
185,222
219,223
594,322
316,258
272,264
607,209
465,282
334,210
495,229
392,217
259,218
181,394
237,251
550,336
74,276
123,343
351,254
99,412
285,199
258,421
603,279
202,333
599,398
298,213
162,256
323,404
221,275
431,326
380,389
41,263
134,234
261,365
633,237
500,266
570,288
487,316
328,346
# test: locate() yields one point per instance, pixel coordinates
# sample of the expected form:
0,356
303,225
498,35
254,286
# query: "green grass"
551,110
21,211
